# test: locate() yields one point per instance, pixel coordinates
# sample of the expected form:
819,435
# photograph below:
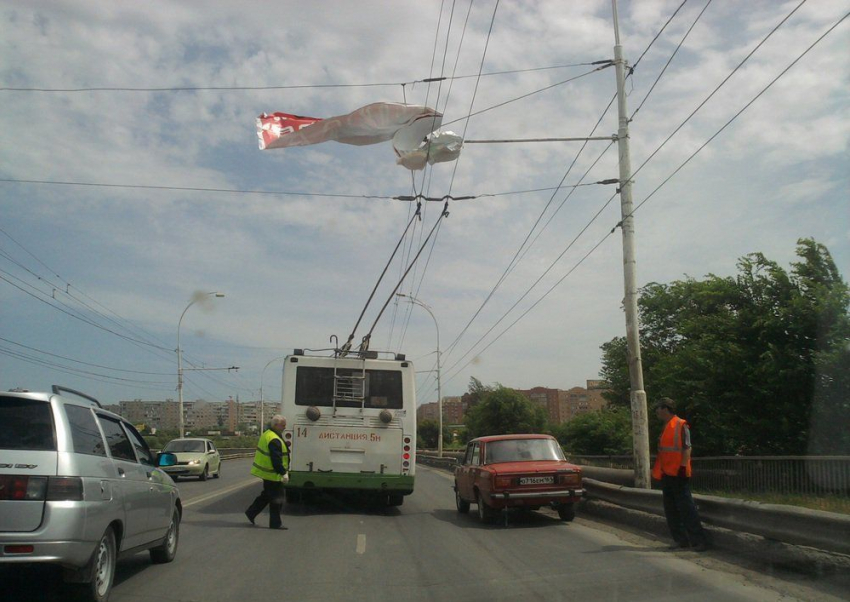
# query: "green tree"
504,411
608,432
758,363
427,431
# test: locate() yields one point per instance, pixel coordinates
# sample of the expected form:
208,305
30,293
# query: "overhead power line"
645,200
736,115
670,60
457,162
81,362
720,85
194,189
75,371
426,80
532,93
660,31
138,337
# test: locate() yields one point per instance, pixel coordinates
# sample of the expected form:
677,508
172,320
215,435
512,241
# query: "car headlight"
194,462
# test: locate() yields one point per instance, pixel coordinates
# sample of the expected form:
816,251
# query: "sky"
131,183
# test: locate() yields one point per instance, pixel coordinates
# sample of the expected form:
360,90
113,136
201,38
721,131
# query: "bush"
608,432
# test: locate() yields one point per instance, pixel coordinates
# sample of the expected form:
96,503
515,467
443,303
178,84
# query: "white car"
196,457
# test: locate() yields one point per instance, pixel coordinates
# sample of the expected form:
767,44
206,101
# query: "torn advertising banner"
409,126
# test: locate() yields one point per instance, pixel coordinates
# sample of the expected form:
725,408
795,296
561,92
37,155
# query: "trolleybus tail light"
405,454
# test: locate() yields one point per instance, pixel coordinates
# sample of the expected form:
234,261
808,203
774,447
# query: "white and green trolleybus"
351,424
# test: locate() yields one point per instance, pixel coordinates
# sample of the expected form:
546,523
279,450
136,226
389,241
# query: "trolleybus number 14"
373,437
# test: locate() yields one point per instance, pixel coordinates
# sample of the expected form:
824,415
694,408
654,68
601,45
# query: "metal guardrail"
803,475
789,524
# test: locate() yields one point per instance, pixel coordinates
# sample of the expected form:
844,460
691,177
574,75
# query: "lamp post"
180,359
262,399
416,301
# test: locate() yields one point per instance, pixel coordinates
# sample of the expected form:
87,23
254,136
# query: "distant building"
562,406
198,415
428,411
548,399
581,400
453,410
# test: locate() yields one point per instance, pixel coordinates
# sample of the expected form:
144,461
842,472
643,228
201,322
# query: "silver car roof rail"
58,390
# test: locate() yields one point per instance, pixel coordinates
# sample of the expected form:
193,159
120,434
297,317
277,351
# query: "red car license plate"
536,480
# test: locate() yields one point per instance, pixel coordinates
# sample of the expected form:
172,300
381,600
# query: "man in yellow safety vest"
271,463
673,469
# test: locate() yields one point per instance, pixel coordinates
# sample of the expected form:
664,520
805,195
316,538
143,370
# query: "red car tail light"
569,478
64,489
503,482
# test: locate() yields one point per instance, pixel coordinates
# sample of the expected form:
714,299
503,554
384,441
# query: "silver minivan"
80,488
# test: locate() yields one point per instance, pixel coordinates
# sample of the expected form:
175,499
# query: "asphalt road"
340,548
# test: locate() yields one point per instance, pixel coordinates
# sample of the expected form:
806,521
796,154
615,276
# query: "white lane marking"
361,543
215,494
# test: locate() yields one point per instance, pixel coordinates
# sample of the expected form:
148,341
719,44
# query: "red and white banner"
410,127
374,123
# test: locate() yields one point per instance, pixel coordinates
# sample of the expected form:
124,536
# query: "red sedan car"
516,471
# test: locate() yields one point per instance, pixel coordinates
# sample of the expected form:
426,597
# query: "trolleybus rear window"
315,387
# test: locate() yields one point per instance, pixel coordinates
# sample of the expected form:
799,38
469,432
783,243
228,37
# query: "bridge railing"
796,475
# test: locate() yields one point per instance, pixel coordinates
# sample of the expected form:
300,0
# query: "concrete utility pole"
416,301
180,359
640,429
262,398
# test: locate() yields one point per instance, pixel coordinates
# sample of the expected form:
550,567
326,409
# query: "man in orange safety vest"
673,469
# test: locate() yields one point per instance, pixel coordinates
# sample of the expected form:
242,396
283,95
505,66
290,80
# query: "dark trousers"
271,496
682,517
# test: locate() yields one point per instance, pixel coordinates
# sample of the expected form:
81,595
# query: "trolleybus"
351,424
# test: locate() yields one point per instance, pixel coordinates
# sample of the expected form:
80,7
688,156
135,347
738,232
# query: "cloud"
297,269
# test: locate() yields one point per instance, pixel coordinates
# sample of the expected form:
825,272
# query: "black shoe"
280,527
250,518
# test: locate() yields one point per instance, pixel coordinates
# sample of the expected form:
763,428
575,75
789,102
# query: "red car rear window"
522,450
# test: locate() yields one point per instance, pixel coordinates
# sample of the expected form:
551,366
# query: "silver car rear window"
84,431
26,424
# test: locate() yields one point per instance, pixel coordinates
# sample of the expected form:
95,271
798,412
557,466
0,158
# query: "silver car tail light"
64,489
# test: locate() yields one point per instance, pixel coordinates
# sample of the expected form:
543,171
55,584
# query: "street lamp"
262,399
416,301
180,359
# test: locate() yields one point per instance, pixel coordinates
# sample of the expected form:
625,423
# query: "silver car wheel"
104,565
171,538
